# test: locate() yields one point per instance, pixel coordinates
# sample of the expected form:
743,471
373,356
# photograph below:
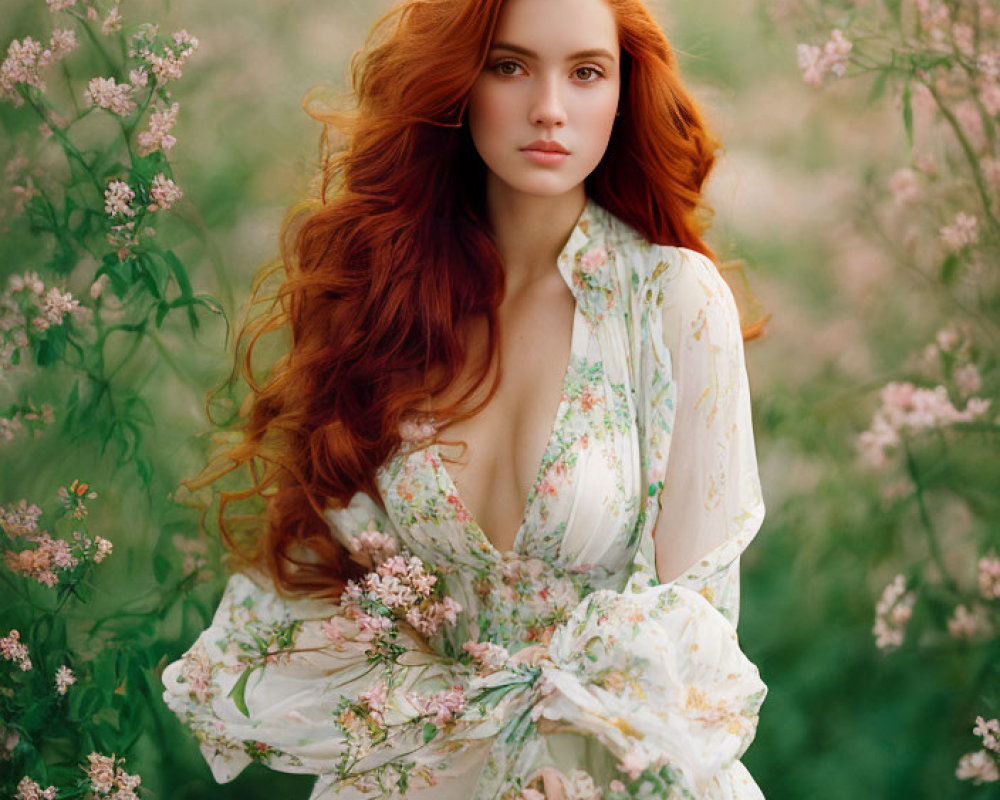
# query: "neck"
530,231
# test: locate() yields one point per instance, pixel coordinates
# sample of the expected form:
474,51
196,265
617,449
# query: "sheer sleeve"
711,503
656,672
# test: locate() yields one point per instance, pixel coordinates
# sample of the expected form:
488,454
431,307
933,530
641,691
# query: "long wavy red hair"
384,272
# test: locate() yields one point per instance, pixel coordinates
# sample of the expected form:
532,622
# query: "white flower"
979,767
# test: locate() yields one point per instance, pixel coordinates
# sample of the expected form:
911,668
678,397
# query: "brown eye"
507,68
588,74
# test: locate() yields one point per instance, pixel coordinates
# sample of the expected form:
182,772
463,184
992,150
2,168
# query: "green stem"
970,153
935,548
69,148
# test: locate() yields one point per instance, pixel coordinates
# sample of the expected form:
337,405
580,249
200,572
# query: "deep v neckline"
576,331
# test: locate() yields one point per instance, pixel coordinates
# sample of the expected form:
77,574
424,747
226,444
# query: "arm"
711,504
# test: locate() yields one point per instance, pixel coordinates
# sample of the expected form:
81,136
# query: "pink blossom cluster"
26,58
27,308
488,656
892,614
908,409
989,730
375,701
194,554
989,577
42,561
36,418
164,58
978,767
112,23
442,707
114,97
13,649
965,624
108,778
417,429
399,588
634,763
28,789
164,193
817,62
64,679
961,232
20,519
118,197
374,545
158,136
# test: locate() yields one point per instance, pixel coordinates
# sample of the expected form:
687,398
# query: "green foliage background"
842,720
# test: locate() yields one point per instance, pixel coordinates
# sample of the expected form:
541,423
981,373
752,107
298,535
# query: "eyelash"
505,62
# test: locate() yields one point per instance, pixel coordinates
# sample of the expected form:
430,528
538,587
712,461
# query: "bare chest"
506,441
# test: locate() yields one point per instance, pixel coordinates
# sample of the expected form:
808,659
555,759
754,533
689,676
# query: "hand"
552,784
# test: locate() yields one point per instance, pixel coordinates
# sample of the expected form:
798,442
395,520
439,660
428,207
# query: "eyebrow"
598,52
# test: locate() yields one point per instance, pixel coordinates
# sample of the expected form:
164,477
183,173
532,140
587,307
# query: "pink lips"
544,151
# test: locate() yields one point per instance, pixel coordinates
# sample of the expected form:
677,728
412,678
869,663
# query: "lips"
547,146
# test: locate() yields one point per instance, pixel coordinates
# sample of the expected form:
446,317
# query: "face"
542,110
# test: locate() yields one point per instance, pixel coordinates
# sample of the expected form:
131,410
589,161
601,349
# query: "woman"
552,613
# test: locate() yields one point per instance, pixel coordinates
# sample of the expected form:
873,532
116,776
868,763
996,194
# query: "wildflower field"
149,150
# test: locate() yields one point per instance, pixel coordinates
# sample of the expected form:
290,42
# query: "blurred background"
799,194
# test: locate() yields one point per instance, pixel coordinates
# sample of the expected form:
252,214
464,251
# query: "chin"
551,185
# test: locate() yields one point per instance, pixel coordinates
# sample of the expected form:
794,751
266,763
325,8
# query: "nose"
547,107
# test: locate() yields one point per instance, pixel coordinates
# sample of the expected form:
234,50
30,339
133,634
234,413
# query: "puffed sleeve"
290,682
711,505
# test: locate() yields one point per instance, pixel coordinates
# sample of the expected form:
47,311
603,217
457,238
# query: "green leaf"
430,731
237,693
908,112
949,269
161,569
878,86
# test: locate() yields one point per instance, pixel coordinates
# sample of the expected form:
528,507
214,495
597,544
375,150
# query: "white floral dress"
408,686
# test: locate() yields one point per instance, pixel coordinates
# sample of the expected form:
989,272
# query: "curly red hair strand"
387,270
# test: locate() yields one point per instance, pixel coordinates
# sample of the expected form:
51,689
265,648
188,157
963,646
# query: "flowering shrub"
940,62
94,306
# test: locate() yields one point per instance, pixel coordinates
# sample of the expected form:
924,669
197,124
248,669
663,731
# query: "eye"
588,74
507,68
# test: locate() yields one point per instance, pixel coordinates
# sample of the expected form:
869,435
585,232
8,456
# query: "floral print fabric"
413,684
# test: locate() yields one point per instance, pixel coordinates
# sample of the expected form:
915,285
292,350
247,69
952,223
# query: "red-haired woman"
507,256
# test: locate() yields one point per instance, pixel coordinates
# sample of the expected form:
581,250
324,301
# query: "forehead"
554,27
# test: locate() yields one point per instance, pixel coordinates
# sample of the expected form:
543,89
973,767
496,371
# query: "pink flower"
118,198
64,679
961,232
112,22
616,786
27,789
101,772
904,185
56,305
634,763
989,730
164,193
158,136
487,655
114,97
967,378
12,649
815,63
375,699
892,613
964,625
593,260
330,628
20,520
979,767
103,549
21,66
989,577
60,5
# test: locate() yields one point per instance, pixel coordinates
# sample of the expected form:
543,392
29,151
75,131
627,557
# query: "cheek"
597,117
488,111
